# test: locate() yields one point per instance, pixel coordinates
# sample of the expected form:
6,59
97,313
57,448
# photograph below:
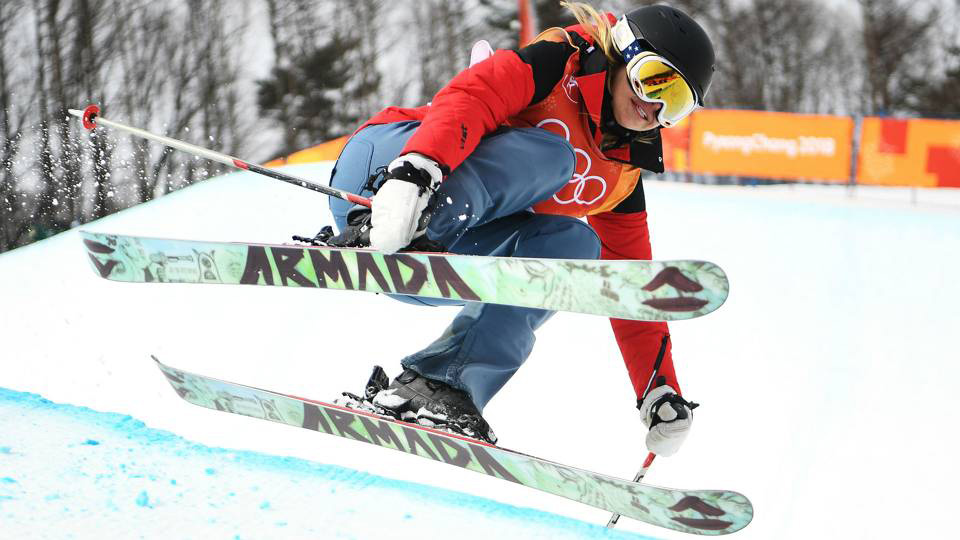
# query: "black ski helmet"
672,34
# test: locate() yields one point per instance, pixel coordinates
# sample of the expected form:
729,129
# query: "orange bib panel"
598,184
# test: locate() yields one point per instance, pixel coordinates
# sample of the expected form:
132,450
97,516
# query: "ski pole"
91,118
647,462
643,472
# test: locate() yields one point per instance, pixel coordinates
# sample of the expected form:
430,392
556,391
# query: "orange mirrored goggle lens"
653,79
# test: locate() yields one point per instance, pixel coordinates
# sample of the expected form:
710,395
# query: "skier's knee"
563,160
584,240
560,237
553,155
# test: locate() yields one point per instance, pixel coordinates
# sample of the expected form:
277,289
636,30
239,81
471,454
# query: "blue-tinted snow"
72,472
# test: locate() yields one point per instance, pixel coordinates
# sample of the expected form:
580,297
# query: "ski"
705,512
624,289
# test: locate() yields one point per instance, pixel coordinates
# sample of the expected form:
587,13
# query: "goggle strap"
623,36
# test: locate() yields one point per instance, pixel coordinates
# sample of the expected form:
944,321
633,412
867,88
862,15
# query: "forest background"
260,79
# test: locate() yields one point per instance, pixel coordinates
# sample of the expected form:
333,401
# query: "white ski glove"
668,416
399,209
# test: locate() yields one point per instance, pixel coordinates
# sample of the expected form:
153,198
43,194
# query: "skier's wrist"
417,169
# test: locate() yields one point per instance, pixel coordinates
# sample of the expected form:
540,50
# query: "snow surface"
83,473
827,381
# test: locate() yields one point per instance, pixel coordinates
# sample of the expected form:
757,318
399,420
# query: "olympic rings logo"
579,178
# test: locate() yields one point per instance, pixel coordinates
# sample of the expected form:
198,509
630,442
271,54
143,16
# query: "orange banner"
771,145
676,146
915,152
328,151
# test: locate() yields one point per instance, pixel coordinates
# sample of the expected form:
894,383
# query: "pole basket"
90,115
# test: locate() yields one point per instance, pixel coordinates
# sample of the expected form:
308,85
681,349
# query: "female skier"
504,161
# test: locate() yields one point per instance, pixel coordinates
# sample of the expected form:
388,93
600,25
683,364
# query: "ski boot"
417,399
435,404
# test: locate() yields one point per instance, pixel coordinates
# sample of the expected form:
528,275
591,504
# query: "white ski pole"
643,472
91,118
647,462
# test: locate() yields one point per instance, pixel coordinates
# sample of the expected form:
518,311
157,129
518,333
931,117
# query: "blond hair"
595,25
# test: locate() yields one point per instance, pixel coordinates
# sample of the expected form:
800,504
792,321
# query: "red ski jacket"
545,84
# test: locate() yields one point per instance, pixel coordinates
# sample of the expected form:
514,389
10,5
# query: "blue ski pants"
482,209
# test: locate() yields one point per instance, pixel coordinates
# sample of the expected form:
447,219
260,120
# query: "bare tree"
894,37
774,55
84,51
93,51
836,83
141,50
294,31
45,221
364,18
62,94
199,95
934,89
14,222
736,80
442,41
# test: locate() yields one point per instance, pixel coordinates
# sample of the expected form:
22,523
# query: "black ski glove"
357,231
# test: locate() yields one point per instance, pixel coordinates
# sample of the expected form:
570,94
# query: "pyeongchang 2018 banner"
771,145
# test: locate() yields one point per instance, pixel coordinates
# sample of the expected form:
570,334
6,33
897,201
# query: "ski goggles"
652,77
655,80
